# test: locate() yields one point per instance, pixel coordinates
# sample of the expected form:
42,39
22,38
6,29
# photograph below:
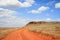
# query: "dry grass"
51,28
40,27
5,31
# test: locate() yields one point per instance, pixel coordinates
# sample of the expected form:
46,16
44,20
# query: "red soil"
25,34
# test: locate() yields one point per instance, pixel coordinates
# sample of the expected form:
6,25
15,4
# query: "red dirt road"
25,34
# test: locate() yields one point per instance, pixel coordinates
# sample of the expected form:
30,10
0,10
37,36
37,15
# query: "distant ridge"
41,22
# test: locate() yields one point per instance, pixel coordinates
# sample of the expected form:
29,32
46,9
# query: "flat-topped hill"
52,28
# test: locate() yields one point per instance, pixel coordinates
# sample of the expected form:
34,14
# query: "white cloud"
40,9
48,19
57,5
16,3
6,12
7,18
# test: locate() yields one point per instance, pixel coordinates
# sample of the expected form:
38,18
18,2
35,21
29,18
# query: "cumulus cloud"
8,19
6,12
39,10
16,3
57,5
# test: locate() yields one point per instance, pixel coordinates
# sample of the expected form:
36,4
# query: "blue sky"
19,12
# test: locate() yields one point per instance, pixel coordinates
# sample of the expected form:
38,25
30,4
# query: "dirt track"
40,27
5,31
